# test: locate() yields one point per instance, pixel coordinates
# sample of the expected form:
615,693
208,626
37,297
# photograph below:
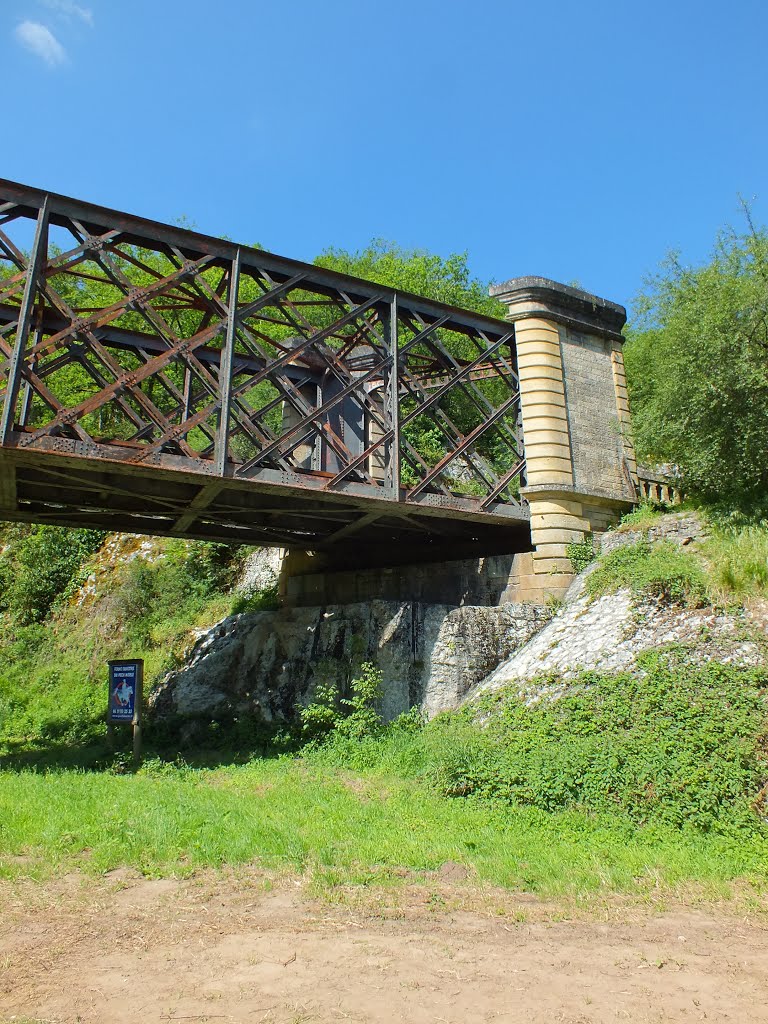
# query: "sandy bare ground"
247,948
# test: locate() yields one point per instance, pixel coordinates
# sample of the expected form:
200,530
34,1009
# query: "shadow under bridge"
157,380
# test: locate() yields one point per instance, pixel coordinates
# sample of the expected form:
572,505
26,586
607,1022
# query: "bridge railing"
127,340
657,487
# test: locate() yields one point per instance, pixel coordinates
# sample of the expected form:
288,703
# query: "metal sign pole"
137,711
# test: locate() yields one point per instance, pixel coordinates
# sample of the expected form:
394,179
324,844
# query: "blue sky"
579,141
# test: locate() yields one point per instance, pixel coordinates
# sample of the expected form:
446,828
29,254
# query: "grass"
737,561
53,672
661,570
341,828
637,784
626,784
645,516
53,676
729,567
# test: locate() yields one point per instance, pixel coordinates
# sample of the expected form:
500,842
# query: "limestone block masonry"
581,467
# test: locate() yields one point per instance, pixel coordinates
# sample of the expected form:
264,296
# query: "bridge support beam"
581,468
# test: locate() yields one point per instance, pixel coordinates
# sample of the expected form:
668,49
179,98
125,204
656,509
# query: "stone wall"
487,580
597,446
681,528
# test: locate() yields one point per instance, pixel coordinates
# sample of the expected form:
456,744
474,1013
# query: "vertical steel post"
221,448
392,405
36,257
26,390
138,711
187,394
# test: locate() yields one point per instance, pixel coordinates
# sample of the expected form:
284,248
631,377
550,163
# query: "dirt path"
245,948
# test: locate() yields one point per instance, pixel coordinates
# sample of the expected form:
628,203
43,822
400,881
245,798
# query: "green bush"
675,743
646,515
186,575
352,717
651,570
40,566
266,600
582,554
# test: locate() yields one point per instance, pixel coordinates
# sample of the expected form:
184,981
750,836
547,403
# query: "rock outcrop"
608,634
265,663
437,656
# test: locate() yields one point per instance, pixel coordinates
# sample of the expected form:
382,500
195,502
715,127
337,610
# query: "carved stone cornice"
539,297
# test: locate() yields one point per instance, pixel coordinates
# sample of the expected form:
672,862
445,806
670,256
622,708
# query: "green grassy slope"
66,610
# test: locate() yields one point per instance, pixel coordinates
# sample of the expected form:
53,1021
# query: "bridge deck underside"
351,527
156,380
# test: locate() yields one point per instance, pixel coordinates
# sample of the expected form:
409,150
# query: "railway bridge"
157,380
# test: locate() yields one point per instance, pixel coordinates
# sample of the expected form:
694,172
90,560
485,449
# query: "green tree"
697,366
416,271
445,280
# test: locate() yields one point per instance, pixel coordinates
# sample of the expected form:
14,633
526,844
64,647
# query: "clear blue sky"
579,141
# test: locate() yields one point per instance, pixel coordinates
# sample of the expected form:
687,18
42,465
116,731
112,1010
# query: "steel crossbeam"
170,382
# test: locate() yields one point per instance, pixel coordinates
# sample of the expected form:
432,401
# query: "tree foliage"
417,271
39,565
697,366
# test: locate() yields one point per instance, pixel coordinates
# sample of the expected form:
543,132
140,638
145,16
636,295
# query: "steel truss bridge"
157,380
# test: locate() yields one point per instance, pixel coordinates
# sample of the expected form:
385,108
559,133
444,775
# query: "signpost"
126,690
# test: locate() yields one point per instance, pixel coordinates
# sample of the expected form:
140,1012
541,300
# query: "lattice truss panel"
164,348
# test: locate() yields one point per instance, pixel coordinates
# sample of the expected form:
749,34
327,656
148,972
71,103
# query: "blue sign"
124,683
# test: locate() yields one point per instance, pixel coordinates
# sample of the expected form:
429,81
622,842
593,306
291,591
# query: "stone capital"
540,298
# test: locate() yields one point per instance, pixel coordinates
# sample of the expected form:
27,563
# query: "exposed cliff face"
264,663
608,634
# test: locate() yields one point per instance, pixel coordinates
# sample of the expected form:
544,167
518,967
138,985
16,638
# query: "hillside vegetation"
72,599
636,781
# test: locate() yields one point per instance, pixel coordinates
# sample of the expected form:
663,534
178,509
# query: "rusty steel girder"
165,381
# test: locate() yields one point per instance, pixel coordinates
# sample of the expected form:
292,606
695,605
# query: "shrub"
52,673
676,742
582,554
353,717
646,515
40,566
265,600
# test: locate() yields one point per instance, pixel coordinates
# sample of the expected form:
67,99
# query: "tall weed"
737,560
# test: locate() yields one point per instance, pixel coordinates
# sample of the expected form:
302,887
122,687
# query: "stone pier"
581,467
